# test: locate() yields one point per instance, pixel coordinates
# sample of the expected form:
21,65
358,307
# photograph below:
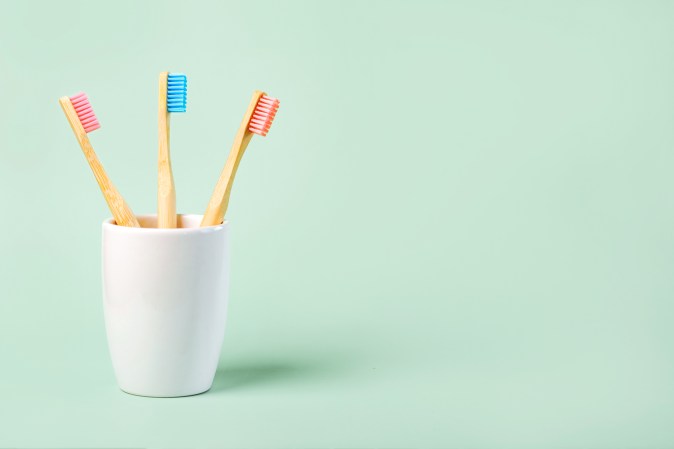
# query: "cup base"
172,395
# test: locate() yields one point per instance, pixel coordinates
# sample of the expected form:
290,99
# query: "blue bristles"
176,98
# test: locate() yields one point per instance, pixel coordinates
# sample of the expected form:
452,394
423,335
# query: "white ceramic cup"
165,302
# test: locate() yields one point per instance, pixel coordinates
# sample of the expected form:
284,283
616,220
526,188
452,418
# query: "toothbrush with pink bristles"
257,120
82,119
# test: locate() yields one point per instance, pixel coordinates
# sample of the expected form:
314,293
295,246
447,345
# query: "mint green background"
458,234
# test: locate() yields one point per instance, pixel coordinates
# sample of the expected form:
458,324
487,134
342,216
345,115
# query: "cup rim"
108,223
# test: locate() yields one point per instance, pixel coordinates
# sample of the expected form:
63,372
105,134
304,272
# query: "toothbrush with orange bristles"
257,120
172,98
82,120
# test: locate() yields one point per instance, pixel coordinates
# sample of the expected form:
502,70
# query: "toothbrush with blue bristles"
172,98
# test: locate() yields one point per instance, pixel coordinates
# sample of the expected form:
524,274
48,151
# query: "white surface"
165,302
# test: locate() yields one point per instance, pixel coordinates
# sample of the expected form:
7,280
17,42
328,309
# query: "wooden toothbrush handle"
166,191
217,206
120,210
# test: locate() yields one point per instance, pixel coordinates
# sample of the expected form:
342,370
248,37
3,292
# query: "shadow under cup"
165,302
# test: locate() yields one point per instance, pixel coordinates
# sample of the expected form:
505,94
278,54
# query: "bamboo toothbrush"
172,98
257,120
82,120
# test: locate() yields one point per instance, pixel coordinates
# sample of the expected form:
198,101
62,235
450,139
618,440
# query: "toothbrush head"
176,93
263,115
84,112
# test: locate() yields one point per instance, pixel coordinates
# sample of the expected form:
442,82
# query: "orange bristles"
263,115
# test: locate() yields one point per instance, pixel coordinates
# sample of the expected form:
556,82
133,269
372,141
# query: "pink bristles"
84,112
263,115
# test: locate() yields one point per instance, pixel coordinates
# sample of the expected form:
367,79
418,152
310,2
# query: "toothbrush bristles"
176,93
85,112
264,114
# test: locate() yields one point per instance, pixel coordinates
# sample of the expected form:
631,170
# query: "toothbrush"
82,120
257,120
172,98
